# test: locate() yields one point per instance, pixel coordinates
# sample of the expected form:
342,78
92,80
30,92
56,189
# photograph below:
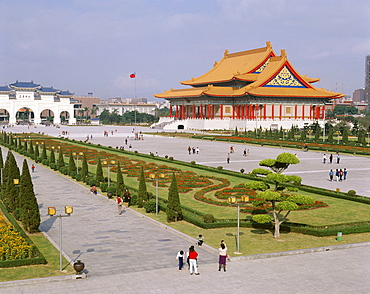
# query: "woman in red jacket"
193,255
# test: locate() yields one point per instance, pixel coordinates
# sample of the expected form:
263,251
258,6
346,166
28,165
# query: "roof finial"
226,52
215,64
268,44
283,53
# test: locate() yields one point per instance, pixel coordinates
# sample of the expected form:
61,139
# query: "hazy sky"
94,45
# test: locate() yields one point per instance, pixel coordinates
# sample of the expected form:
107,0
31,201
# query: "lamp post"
153,176
107,163
233,202
53,213
77,154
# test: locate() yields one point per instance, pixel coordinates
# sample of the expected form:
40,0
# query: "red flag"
133,75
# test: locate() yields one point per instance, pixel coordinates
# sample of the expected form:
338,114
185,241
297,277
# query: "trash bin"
339,236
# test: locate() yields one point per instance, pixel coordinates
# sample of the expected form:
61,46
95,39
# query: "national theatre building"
249,89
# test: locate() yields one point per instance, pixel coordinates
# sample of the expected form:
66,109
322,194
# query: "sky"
93,46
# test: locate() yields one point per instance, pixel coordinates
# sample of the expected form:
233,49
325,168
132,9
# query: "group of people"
330,158
192,257
340,175
193,150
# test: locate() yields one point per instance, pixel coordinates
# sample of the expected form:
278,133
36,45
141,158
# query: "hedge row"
21,262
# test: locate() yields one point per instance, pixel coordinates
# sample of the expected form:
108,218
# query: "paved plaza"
129,253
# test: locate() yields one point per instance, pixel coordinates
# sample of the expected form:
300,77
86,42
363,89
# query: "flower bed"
12,245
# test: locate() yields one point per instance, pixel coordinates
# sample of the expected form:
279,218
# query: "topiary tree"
276,200
71,164
44,154
52,157
142,192
31,151
279,204
84,168
28,206
173,211
281,163
37,152
99,176
11,191
61,162
120,182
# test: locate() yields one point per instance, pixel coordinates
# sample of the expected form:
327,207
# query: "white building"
121,108
34,99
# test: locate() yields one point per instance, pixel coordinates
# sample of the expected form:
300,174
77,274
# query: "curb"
299,251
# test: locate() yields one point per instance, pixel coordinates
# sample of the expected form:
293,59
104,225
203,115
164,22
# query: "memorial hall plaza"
130,254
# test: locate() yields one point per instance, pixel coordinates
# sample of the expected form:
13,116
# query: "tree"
29,208
44,154
10,193
52,157
142,193
71,164
281,162
99,176
84,168
173,211
37,152
277,201
120,183
345,136
61,162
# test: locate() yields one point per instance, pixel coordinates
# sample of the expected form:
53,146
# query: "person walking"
127,197
33,168
338,158
193,256
331,158
331,175
189,150
324,158
119,204
222,257
245,152
180,258
228,158
336,175
344,174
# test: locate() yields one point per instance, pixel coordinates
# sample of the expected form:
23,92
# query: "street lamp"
106,162
52,212
77,154
153,176
233,201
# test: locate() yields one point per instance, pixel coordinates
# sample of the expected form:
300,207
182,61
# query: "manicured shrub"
150,206
208,218
351,193
220,167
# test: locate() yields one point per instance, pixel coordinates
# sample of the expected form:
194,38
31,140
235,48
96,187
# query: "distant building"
81,102
367,81
121,108
359,95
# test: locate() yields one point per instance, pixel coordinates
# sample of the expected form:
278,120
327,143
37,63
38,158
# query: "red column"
183,112
317,112
323,112
170,111
177,111
302,111
311,110
209,111
295,111
264,111
281,112
273,111
194,111
221,111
